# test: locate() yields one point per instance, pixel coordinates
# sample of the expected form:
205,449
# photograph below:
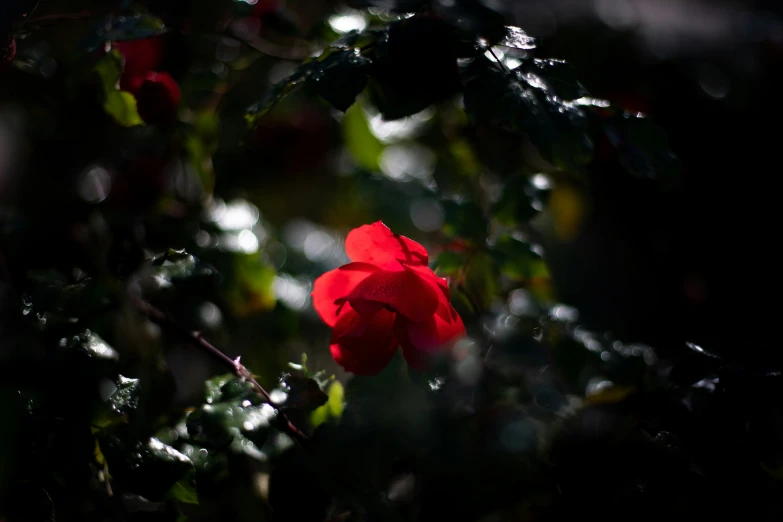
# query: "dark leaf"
517,259
278,91
148,468
474,17
465,220
124,27
556,76
514,101
178,265
400,6
405,78
519,203
340,77
184,490
303,393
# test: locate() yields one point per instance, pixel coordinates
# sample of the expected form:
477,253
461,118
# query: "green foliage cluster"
128,247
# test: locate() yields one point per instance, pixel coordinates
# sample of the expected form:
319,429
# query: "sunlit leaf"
178,265
518,39
559,77
148,468
333,408
234,418
515,101
120,105
365,148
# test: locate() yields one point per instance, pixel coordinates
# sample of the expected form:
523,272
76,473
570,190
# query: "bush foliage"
175,175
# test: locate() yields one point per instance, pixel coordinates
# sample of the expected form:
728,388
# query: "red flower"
157,93
157,97
387,297
141,56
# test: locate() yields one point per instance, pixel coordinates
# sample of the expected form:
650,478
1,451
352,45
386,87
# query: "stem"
164,320
502,65
66,16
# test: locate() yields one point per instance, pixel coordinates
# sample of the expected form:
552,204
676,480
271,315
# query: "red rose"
157,97
157,93
141,56
388,297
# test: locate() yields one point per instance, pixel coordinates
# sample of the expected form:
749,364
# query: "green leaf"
278,91
517,259
449,264
126,397
120,105
518,39
337,76
559,77
228,387
148,468
365,148
333,408
232,419
184,490
516,101
92,345
519,202
465,220
340,77
178,265
302,392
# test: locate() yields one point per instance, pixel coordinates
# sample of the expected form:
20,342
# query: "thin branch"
297,53
164,320
66,16
502,65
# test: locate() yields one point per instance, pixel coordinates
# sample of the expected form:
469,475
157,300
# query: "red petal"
403,291
420,339
364,346
141,56
378,245
336,284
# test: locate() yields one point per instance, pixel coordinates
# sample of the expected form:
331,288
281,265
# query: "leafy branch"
166,321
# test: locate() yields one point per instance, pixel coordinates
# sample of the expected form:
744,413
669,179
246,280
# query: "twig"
164,320
502,65
296,53
66,16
